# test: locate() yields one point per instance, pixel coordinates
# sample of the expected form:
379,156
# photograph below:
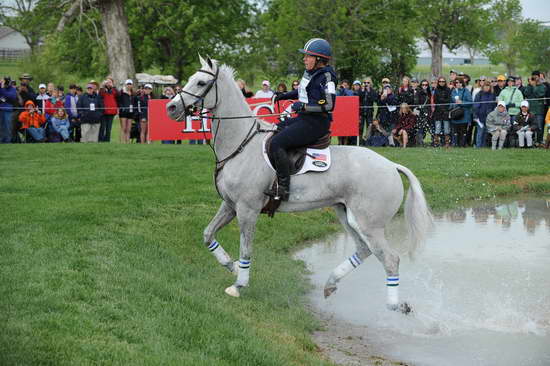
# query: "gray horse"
364,188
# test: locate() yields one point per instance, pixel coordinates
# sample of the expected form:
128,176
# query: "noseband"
200,98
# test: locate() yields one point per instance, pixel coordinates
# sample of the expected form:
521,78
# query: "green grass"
101,260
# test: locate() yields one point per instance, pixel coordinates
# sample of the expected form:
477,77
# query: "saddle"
314,157
318,152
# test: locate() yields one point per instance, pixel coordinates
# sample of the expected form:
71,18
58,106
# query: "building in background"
12,44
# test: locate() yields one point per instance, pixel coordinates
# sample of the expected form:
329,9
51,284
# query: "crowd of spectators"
80,115
497,112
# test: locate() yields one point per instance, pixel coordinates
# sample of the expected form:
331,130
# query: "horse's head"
199,92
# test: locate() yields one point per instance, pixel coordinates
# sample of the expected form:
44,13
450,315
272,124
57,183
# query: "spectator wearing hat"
143,109
453,74
127,104
405,92
534,93
90,111
265,92
25,93
512,97
27,79
109,94
41,98
344,90
461,97
32,122
498,123
8,99
441,97
500,85
525,125
484,103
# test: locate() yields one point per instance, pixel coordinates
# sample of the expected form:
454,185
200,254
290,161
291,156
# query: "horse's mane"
228,73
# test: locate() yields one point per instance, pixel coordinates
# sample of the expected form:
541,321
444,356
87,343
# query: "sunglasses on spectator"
366,82
442,81
423,84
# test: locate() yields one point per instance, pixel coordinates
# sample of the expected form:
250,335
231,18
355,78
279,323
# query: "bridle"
199,98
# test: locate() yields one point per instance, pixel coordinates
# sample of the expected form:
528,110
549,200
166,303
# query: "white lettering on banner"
189,124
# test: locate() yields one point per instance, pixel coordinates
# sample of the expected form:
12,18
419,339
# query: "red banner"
161,127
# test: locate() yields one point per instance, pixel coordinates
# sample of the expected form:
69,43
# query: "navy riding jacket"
317,91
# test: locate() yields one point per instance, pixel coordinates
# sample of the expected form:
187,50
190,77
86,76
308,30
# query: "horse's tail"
417,213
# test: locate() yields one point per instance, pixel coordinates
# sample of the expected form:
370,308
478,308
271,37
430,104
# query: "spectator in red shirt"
109,94
53,103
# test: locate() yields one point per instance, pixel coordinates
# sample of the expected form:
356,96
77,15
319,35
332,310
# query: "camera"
7,81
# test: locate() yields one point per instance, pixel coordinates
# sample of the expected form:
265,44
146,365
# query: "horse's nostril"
172,108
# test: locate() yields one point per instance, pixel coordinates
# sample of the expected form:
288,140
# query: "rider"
317,97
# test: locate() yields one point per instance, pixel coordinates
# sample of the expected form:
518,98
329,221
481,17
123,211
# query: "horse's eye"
201,83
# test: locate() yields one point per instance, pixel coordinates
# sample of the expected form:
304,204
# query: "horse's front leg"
224,215
247,222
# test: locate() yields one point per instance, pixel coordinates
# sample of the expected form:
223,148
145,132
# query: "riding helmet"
317,47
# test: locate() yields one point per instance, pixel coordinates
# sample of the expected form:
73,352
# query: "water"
479,290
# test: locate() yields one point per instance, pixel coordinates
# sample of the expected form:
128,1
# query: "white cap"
42,86
525,104
129,81
502,103
266,82
148,86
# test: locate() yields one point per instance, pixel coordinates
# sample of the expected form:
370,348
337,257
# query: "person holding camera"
32,122
8,97
387,107
109,93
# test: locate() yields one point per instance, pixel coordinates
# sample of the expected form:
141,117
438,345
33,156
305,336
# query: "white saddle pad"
317,160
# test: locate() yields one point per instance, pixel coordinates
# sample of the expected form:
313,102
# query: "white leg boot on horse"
247,221
224,216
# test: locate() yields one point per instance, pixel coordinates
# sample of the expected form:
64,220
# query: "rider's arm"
293,94
330,95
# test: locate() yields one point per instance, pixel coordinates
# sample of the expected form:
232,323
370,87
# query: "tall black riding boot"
282,166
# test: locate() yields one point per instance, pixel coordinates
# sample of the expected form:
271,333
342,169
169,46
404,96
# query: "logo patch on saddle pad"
316,160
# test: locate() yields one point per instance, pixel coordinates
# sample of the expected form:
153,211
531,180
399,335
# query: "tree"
368,37
452,23
31,18
535,46
170,34
508,37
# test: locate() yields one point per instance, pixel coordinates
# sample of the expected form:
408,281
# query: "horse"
242,175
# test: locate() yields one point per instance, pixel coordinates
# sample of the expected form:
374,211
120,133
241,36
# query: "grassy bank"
101,259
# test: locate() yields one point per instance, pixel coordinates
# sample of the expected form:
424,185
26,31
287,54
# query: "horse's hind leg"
350,263
390,260
224,215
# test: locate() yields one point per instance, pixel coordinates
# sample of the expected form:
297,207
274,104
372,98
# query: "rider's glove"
298,106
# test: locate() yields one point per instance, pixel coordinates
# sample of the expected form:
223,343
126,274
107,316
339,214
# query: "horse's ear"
210,63
202,61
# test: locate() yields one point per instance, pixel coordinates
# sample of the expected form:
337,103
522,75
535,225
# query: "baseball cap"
525,104
148,86
266,82
501,78
414,80
502,103
90,85
42,86
129,82
453,71
385,80
483,77
357,82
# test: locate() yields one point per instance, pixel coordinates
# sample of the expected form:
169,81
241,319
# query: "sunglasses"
424,84
366,82
442,81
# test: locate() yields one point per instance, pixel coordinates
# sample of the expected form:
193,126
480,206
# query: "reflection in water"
479,290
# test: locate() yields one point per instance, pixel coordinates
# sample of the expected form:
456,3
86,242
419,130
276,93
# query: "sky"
536,9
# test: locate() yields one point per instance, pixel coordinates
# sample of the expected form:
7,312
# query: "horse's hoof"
232,291
329,291
405,308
